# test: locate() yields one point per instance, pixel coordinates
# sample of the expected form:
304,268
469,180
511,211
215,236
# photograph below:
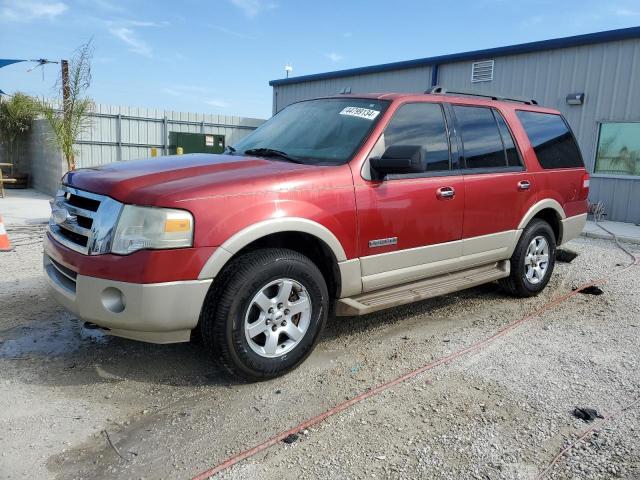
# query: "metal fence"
126,133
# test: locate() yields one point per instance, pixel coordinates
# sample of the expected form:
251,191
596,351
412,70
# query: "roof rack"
438,90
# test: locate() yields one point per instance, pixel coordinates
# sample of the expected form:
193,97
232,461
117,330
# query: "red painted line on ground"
231,461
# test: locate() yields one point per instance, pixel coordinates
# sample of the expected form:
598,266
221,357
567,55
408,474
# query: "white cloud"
532,21
27,10
105,5
625,12
234,33
124,30
194,91
104,59
144,23
334,57
217,103
130,37
171,91
252,8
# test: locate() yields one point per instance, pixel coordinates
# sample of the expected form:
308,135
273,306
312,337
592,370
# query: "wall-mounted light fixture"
575,99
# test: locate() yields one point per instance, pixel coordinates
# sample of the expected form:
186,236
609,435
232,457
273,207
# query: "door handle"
524,185
445,193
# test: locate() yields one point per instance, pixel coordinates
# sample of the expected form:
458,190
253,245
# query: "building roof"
555,43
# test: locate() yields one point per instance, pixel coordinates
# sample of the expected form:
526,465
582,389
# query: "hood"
164,180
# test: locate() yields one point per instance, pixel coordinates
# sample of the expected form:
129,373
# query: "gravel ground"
501,412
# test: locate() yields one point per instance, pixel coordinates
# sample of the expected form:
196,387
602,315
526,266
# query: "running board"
422,289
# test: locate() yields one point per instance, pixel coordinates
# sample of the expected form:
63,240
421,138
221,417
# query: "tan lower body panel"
572,227
400,267
422,289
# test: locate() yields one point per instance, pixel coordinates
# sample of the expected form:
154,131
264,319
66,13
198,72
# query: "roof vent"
482,71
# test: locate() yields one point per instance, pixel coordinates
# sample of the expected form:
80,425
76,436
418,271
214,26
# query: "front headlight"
150,227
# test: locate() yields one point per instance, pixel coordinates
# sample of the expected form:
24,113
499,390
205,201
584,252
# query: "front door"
410,226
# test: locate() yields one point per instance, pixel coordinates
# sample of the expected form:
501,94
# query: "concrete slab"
626,232
24,207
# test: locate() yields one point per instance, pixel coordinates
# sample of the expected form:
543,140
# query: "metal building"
593,79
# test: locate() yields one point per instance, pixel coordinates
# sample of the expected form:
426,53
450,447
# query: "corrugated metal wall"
608,74
409,80
126,133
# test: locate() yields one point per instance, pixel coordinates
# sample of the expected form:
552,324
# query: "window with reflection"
481,140
551,139
420,124
618,148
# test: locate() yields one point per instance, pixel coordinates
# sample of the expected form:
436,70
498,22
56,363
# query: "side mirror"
400,159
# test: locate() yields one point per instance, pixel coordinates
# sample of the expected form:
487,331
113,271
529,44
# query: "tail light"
584,191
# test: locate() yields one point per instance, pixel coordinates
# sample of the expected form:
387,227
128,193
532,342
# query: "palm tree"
73,118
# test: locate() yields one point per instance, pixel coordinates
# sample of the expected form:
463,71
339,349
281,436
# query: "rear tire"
532,261
265,313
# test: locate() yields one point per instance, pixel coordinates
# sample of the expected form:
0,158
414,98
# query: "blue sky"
217,56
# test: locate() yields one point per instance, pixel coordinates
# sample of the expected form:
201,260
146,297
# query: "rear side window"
551,139
420,124
481,140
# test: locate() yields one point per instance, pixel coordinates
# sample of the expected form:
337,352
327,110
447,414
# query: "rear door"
498,189
562,175
410,225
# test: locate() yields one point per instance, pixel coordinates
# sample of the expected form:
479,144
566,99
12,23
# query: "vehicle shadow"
58,351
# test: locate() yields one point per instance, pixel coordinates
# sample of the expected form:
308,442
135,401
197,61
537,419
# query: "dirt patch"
592,290
503,412
565,256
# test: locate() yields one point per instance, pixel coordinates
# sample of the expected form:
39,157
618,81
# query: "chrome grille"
83,221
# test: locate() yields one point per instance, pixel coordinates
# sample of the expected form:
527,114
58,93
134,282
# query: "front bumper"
150,312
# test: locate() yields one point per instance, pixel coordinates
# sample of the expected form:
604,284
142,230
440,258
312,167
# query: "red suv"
343,205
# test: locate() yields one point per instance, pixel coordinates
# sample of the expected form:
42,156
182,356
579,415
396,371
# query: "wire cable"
250,452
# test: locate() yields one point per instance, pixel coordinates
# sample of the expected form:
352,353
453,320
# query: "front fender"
262,229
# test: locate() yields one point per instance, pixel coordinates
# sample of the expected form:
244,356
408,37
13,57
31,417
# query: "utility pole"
64,67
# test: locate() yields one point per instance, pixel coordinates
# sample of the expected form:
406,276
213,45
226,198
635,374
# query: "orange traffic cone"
5,244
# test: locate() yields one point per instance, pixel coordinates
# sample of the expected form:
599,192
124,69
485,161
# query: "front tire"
265,314
532,261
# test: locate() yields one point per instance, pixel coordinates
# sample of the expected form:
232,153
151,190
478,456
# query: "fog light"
113,300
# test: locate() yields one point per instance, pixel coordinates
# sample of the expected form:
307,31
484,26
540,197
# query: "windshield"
321,132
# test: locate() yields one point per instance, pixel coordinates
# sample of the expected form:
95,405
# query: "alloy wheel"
536,260
278,318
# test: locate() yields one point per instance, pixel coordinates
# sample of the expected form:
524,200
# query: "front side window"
319,132
551,139
481,140
618,148
418,124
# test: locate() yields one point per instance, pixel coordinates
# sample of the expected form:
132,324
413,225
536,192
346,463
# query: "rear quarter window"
551,139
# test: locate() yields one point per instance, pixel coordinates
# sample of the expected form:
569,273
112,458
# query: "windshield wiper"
230,149
271,152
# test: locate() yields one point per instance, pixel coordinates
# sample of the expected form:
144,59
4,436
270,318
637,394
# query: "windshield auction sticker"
360,112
